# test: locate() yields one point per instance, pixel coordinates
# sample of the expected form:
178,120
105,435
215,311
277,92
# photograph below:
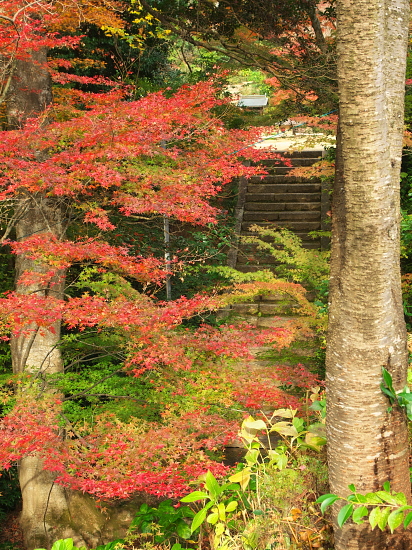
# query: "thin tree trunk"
367,445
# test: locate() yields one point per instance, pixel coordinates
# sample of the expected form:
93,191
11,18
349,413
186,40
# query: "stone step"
245,248
269,189
274,322
302,236
268,206
294,161
281,178
294,226
275,308
279,170
301,154
292,197
281,216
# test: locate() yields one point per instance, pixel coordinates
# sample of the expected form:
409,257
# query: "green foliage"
94,384
113,545
164,522
402,398
253,80
296,263
193,64
381,508
67,544
238,511
220,501
408,91
64,544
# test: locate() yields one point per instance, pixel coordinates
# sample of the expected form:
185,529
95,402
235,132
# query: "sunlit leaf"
212,485
242,477
359,513
374,517
328,502
407,520
344,514
383,517
395,519
193,497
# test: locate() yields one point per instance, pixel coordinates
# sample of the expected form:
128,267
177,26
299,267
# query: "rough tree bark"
49,511
367,445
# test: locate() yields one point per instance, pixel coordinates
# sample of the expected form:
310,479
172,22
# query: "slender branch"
78,436
85,392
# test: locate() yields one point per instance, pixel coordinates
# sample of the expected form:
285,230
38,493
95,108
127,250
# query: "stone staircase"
300,204
297,203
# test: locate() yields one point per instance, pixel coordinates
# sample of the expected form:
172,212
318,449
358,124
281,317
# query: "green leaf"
193,497
200,517
212,485
383,518
387,379
282,462
374,517
221,511
146,527
387,497
252,456
219,529
232,506
344,514
316,406
324,497
352,488
183,530
314,441
328,502
372,498
400,499
359,513
63,544
395,519
387,486
299,424
389,393
406,507
407,520
231,487
212,518
360,498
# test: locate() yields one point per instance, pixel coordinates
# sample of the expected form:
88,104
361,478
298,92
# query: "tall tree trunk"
367,445
49,511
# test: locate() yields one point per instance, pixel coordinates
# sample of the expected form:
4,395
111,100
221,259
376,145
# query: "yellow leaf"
241,477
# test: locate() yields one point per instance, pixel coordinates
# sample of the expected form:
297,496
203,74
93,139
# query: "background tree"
292,42
367,444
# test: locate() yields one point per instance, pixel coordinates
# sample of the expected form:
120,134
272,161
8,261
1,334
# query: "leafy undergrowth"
267,502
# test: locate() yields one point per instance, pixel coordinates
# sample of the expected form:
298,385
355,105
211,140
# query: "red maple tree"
102,159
